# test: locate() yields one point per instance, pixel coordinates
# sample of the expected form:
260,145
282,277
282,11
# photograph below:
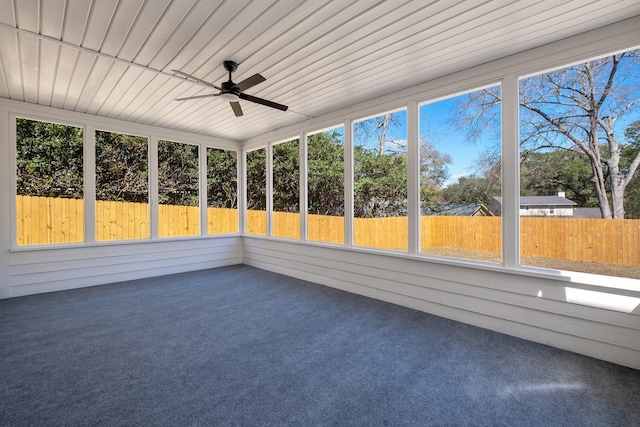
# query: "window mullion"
153,186
348,182
202,190
304,198
510,173
89,174
413,179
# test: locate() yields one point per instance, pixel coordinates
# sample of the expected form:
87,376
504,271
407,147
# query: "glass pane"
222,191
460,176
380,182
49,203
256,220
579,184
122,186
178,189
286,189
325,186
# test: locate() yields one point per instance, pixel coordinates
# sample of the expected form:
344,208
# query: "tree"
380,184
325,182
578,108
472,189
433,174
286,176
178,173
257,180
632,198
122,173
49,159
222,178
377,129
544,173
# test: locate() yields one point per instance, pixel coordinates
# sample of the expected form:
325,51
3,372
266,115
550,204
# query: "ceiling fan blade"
195,79
197,97
237,110
263,101
250,82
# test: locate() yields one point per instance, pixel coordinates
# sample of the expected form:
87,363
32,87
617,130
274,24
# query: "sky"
435,126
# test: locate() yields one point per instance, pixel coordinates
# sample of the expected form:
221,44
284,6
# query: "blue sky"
435,126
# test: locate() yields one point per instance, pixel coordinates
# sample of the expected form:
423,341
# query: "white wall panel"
47,270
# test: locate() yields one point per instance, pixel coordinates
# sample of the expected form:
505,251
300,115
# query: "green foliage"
286,176
472,189
544,173
122,172
257,179
380,184
178,173
433,174
49,159
630,151
222,178
325,186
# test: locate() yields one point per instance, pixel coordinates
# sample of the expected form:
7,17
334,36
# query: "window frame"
13,167
89,128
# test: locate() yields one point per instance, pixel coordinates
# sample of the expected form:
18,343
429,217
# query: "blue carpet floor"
242,346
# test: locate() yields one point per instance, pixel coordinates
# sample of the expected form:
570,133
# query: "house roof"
587,213
116,58
458,209
542,200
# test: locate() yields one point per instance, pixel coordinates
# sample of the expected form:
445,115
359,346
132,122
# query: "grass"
630,271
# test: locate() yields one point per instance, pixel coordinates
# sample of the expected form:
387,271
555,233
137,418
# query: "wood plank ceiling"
114,58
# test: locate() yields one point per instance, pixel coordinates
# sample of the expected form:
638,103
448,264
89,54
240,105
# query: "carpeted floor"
242,346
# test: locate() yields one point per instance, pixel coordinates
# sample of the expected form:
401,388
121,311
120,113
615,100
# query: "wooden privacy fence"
44,220
605,241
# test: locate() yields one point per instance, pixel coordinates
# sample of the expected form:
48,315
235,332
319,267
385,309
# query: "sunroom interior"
118,66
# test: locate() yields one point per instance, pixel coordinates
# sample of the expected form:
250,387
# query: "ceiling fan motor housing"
230,87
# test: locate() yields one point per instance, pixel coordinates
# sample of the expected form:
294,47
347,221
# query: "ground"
630,271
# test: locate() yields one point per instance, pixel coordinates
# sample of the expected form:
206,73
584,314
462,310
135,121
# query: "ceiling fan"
233,92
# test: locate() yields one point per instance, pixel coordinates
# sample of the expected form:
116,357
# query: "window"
460,176
579,139
222,191
178,189
49,183
122,186
286,189
256,217
380,181
325,186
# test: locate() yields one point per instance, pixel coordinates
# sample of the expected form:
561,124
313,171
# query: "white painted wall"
546,211
29,270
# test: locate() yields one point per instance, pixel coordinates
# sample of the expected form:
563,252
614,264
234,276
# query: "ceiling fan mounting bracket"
230,66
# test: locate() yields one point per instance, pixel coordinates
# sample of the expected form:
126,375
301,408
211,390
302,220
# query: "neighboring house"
539,206
459,209
587,213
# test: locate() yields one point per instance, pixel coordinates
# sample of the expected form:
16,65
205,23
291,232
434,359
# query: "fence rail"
44,220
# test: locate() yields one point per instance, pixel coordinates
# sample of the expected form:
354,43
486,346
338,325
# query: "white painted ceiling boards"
114,58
